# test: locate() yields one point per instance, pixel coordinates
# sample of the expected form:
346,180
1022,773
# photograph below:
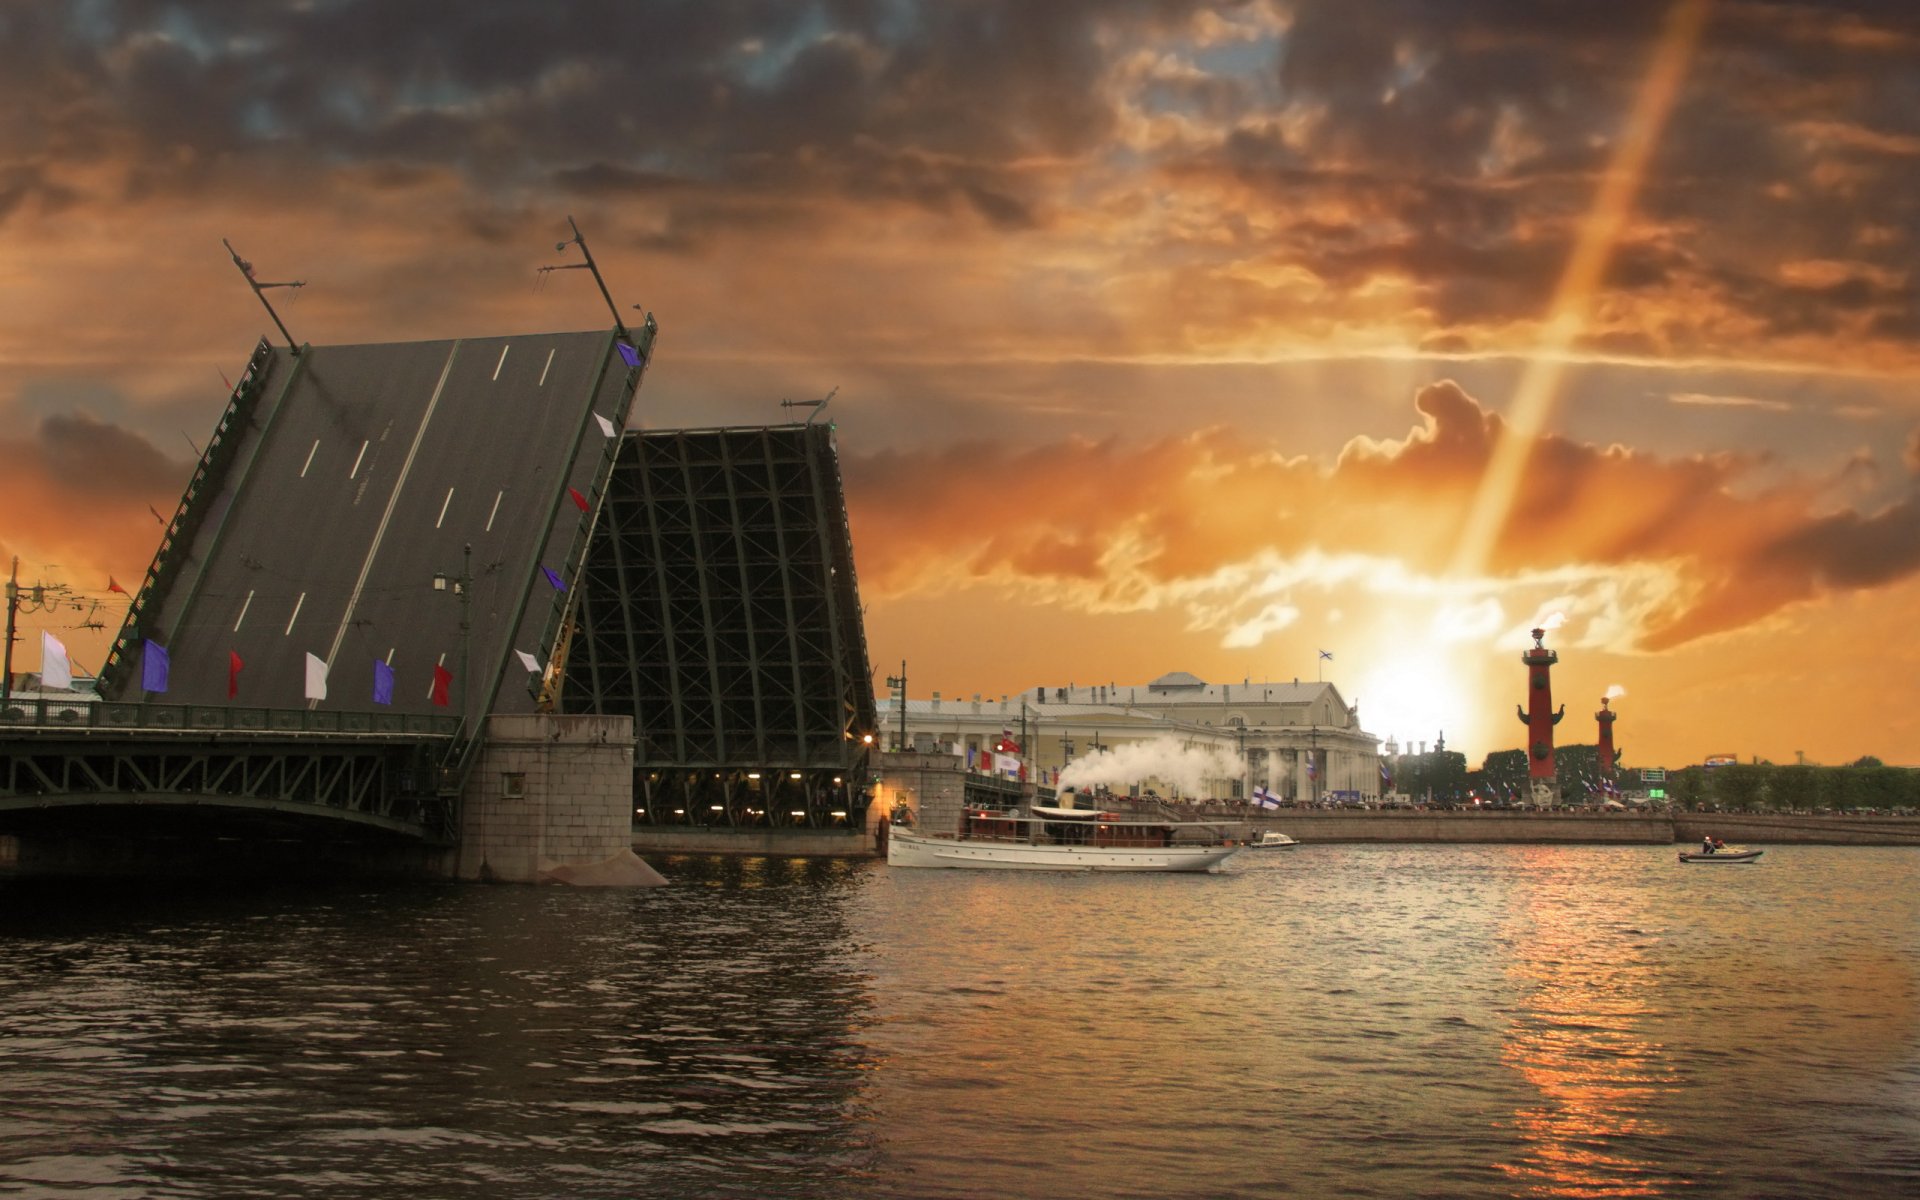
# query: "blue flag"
153,667
559,584
382,682
628,354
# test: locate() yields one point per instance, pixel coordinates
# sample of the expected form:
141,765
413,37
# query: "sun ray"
1539,385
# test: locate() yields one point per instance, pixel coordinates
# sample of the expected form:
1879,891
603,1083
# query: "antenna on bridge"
815,405
580,239
246,268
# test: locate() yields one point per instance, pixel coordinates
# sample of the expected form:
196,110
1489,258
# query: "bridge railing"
45,713
174,543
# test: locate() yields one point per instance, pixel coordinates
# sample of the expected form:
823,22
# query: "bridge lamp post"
463,588
899,684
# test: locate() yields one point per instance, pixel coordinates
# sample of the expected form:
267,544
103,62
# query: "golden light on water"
1539,386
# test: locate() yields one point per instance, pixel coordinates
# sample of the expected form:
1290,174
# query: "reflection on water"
1579,1036
1361,1021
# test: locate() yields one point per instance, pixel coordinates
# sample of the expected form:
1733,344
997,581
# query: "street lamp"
899,684
462,586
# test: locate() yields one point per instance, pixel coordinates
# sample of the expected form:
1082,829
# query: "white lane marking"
296,614
545,369
310,454
495,510
243,611
443,508
399,484
356,460
502,362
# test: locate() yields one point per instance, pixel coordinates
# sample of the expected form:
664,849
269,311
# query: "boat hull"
1741,856
915,850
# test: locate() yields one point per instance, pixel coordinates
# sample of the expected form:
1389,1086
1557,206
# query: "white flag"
316,679
531,663
56,669
606,426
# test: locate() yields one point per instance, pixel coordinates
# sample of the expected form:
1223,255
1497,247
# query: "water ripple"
1353,1021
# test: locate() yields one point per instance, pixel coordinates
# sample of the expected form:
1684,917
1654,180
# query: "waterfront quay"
1311,826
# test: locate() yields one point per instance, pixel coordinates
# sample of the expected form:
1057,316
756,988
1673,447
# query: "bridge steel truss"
381,782
719,608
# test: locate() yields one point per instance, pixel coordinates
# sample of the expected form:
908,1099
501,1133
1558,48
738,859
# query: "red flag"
578,498
233,673
441,678
114,586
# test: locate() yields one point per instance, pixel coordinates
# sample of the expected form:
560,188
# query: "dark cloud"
1454,146
104,458
928,104
82,491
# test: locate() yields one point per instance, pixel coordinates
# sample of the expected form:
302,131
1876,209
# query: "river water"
1327,1021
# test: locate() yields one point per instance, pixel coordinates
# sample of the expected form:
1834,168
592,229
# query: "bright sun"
1414,695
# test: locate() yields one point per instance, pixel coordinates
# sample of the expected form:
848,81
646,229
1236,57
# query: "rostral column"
1539,718
1606,716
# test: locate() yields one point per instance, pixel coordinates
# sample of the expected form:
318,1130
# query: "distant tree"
1838,787
1866,760
1577,766
1883,787
1505,772
1447,776
1740,785
1796,787
1687,787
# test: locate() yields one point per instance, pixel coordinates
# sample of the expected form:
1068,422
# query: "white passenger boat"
1062,839
1272,839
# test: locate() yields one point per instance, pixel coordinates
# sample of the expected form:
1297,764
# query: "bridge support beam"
551,800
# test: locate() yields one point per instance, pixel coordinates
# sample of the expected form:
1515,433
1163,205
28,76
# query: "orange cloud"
1663,550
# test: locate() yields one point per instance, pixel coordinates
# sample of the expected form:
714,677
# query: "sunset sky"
1167,336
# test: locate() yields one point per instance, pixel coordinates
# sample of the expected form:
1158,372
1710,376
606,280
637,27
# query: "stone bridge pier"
550,800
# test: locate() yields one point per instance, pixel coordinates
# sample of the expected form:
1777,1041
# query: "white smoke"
1186,770
1554,620
1615,691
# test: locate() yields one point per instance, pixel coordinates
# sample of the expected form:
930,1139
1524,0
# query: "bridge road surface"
358,484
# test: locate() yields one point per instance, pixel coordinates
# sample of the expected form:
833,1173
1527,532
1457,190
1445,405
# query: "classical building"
1301,741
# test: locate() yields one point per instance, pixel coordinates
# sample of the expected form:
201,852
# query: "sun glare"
1415,694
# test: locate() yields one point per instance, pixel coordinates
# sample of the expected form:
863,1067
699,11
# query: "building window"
513,784
1236,722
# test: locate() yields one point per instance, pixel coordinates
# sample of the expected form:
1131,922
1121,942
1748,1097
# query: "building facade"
1300,741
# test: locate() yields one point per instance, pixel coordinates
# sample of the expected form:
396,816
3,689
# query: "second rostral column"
1606,717
1539,718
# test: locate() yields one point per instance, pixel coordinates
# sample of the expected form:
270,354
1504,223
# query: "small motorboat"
1272,839
1724,854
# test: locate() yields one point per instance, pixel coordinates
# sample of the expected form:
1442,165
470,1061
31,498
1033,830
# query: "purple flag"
628,354
153,667
382,682
559,584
